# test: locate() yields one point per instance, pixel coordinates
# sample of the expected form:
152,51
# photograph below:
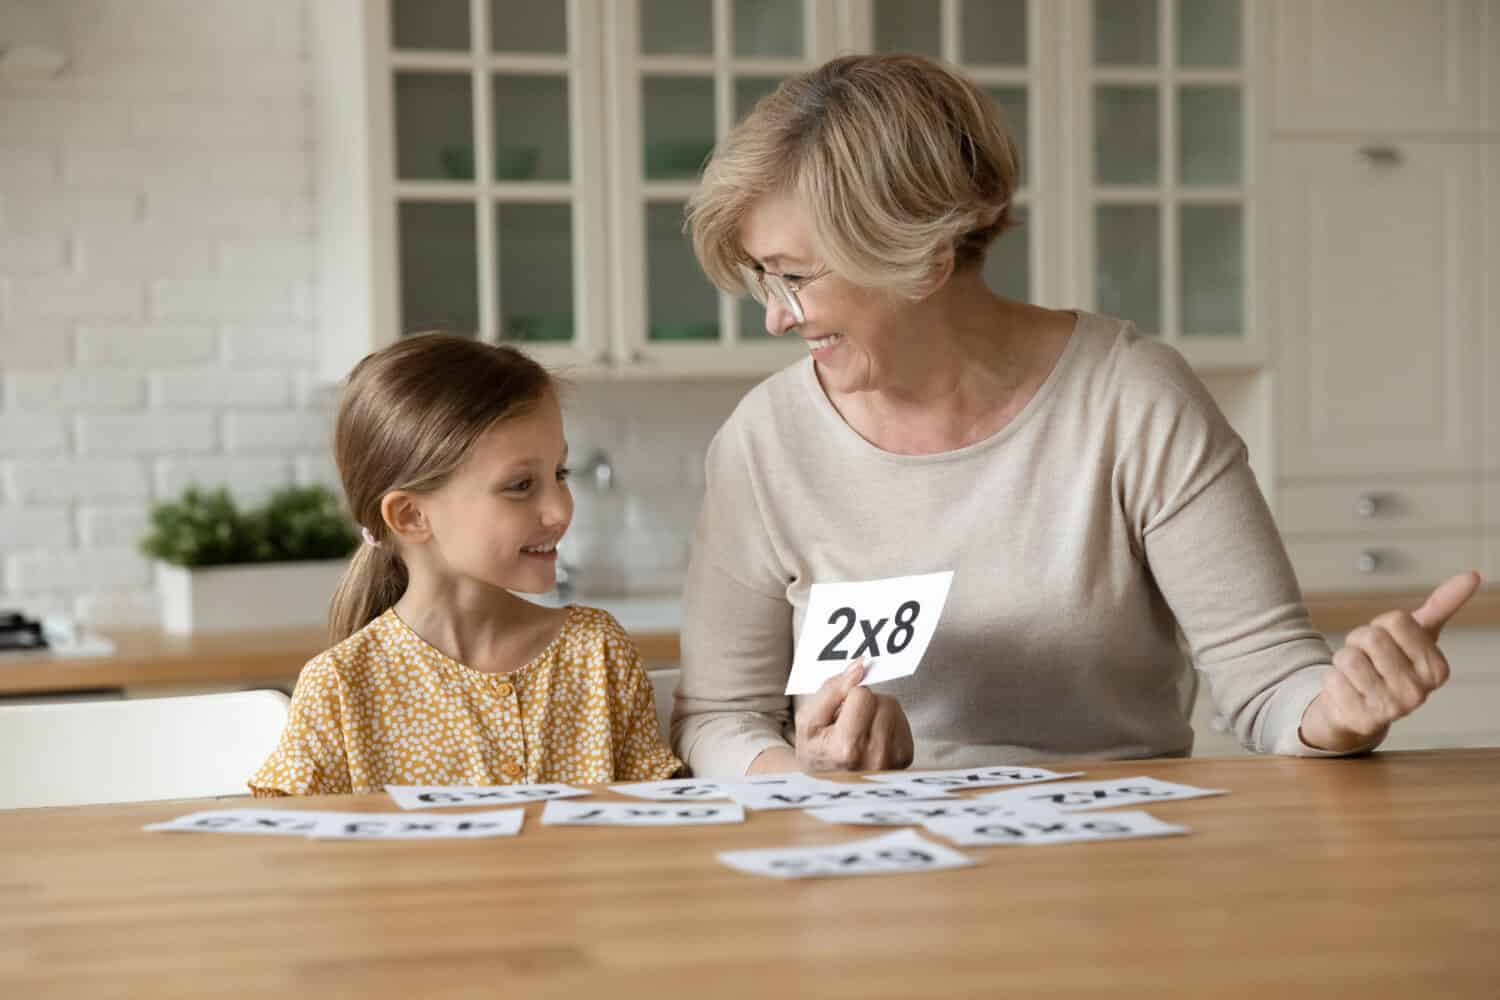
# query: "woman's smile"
823,347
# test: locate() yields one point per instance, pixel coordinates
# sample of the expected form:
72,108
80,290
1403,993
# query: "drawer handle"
1380,156
1369,561
1368,505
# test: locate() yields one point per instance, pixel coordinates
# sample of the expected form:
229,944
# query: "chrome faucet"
564,586
598,474
599,471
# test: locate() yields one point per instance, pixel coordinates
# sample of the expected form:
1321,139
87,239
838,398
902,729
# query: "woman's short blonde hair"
896,160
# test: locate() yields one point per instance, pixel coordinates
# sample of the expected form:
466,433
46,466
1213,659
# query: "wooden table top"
1366,877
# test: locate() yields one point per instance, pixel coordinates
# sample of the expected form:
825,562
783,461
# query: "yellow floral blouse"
383,706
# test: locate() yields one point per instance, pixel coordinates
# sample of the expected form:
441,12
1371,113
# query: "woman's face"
857,336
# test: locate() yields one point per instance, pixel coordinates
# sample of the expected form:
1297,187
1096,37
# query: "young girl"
453,459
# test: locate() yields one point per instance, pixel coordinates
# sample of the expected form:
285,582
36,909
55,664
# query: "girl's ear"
403,515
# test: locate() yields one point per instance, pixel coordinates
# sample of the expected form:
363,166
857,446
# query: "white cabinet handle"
1369,561
1368,505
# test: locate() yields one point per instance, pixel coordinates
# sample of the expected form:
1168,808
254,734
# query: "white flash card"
673,790
1057,829
1074,795
972,777
889,622
915,813
276,822
440,796
404,826
630,814
902,851
785,779
817,794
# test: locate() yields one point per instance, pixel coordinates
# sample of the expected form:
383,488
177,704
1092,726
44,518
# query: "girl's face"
855,335
497,520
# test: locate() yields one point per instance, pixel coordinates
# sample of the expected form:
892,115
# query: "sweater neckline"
1038,401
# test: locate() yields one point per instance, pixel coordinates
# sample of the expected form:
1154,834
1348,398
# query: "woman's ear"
403,515
942,270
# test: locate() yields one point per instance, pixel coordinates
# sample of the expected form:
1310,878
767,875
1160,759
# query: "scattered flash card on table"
893,853
1073,795
889,622
971,777
404,826
1059,829
440,796
673,790
631,814
813,794
915,813
275,822
348,825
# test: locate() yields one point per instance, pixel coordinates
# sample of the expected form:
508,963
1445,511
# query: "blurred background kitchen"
210,209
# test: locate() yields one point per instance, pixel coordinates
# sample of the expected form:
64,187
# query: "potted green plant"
224,568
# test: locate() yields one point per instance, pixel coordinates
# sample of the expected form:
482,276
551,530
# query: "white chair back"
664,686
82,753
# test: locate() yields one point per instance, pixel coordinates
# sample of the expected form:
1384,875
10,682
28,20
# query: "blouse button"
504,689
511,770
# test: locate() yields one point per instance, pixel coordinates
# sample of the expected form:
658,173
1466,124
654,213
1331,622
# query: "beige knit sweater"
1115,508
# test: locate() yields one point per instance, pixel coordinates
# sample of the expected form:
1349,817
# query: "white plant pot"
257,595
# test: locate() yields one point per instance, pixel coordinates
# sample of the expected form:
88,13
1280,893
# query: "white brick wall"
157,267
155,218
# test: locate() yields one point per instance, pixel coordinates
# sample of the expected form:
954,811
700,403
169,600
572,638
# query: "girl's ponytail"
374,581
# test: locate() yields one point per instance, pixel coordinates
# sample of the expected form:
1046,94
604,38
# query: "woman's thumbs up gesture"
1385,671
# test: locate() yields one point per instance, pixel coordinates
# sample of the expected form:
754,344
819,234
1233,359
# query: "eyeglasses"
763,284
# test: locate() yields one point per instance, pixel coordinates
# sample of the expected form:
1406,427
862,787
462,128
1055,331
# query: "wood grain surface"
1366,877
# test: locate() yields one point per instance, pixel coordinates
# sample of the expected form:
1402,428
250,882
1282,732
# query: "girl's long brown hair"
407,418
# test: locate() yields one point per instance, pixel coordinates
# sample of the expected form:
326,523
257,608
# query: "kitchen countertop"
146,659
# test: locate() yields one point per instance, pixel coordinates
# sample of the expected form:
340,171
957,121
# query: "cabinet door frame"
632,353
1248,350
1454,447
361,300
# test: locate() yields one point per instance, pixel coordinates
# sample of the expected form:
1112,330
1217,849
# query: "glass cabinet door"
993,43
1166,186
495,184
685,72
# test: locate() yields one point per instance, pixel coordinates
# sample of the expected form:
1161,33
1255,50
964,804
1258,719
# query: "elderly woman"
1076,477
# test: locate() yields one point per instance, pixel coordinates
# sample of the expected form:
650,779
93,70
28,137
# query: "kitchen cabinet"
1162,190
1407,66
1379,362
1383,133
518,171
1378,294
1490,457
